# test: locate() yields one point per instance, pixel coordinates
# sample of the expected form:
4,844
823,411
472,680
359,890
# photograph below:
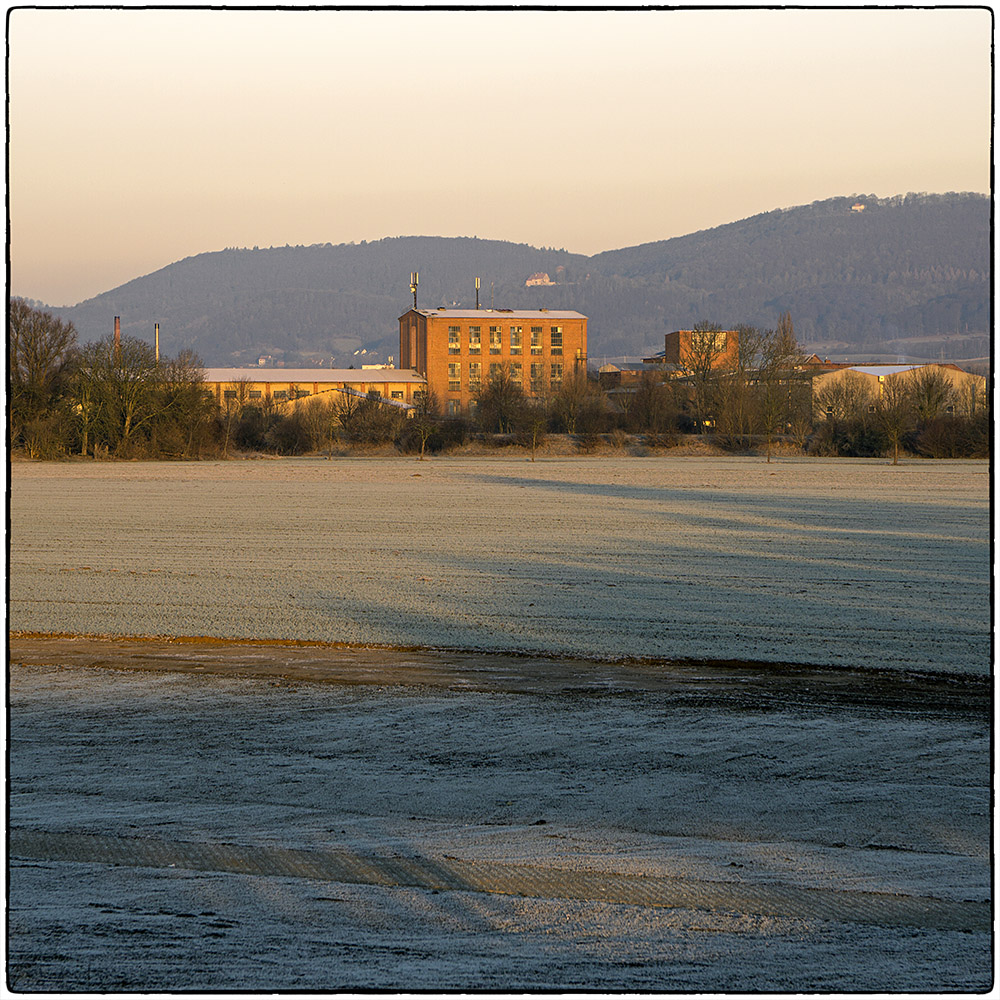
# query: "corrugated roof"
883,369
312,375
635,366
502,313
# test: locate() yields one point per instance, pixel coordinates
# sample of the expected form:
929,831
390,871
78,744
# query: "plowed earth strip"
451,874
737,684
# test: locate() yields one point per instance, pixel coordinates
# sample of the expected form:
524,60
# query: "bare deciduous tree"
573,399
931,393
779,354
971,398
235,399
425,417
119,386
40,352
653,407
849,396
895,411
531,424
186,405
499,402
702,370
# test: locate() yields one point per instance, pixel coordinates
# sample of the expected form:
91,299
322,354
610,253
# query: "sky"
140,137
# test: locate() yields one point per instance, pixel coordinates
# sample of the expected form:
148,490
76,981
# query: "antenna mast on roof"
477,294
414,281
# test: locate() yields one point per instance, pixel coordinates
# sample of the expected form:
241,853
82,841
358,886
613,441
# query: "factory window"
454,344
397,393
496,370
229,393
555,376
281,394
495,340
452,407
475,375
255,393
454,377
537,374
475,340
536,340
517,373
515,339
708,340
556,340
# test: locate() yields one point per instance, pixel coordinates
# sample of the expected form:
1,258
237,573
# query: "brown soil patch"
738,684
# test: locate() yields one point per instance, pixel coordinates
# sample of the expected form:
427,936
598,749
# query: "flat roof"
502,313
312,375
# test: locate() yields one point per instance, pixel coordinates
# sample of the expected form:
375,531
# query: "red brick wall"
678,348
433,355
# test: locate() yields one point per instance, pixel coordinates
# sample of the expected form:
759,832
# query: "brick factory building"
457,349
289,385
685,351
696,348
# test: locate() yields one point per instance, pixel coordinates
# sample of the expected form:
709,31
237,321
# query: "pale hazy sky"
141,137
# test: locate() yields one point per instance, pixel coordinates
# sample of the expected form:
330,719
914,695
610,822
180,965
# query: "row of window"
453,407
475,374
515,339
872,408
297,393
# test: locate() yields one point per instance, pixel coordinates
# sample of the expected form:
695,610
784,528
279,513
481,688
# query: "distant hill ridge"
906,276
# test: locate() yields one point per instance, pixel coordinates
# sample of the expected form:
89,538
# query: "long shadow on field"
765,576
701,502
731,591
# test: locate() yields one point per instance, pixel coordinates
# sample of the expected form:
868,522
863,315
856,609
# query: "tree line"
116,399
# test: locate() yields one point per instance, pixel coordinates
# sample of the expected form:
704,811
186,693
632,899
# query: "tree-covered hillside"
305,302
900,268
907,276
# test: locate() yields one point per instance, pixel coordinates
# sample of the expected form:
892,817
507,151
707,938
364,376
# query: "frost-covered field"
834,822
853,563
813,830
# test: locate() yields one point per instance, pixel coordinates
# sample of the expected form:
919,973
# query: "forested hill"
905,277
889,277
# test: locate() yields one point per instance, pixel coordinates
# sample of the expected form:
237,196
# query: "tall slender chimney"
156,340
118,333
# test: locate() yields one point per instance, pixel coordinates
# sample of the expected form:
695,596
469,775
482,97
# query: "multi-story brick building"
456,350
699,349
